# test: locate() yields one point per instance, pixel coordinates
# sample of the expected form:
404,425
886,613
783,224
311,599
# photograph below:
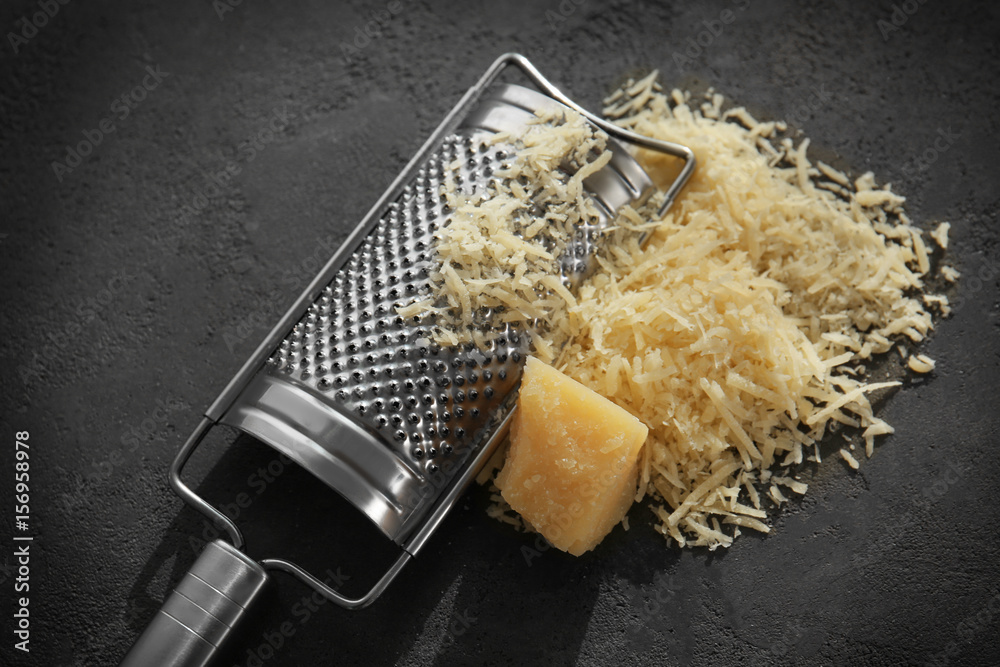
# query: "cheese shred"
740,332
499,252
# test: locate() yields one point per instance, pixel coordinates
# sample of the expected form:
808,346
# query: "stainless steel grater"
361,397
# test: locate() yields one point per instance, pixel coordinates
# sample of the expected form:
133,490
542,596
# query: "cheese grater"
363,398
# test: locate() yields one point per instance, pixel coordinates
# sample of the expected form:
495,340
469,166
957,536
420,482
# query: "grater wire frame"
256,361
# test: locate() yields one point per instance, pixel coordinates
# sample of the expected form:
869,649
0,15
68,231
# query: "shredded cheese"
498,258
738,332
940,235
849,458
921,363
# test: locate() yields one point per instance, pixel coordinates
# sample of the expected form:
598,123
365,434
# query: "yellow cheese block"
571,468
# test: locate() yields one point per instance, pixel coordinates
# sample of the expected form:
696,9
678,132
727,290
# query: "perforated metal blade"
361,397
364,399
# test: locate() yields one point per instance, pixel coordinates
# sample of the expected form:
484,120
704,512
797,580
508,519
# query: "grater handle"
202,612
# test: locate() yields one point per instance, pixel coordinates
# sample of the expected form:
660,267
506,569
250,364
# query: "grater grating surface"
352,345
365,399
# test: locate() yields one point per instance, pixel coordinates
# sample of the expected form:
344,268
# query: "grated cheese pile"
742,330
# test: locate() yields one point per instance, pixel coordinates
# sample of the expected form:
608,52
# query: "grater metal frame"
258,359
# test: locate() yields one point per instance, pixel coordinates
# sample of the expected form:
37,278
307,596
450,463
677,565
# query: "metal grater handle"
202,612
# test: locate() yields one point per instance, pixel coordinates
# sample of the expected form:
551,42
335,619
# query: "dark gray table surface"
134,286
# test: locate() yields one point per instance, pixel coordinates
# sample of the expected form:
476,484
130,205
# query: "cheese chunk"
571,470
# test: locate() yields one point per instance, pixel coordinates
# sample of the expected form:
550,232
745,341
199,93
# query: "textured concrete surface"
136,280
